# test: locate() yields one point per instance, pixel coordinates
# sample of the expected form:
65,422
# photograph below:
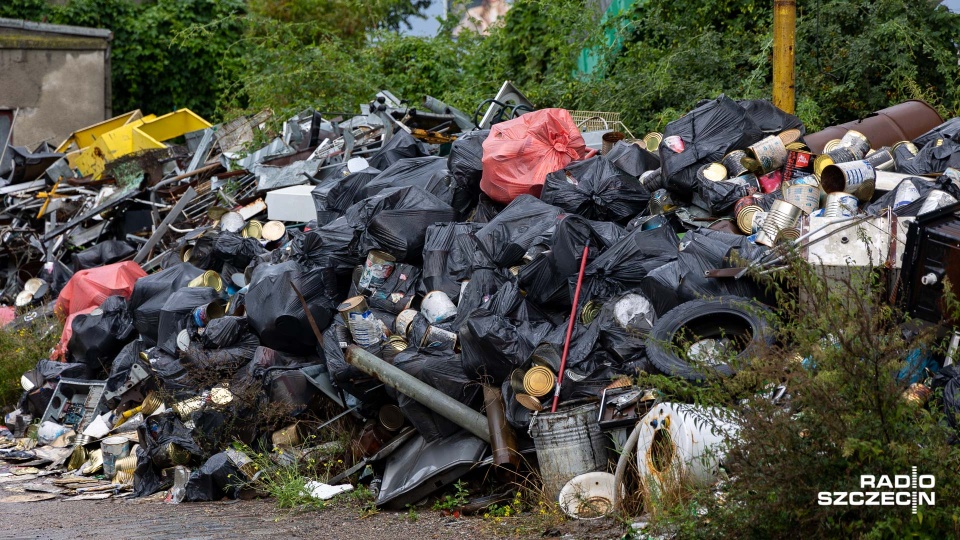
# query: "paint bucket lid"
273,230
714,172
589,496
789,136
831,145
529,402
253,229
23,298
231,222
357,164
539,381
183,340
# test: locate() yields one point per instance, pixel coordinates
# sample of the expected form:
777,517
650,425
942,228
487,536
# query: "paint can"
770,152
732,162
354,304
652,140
231,222
840,204
113,448
404,319
745,218
806,198
782,215
842,154
856,142
207,279
377,268
206,313
437,338
437,307
798,164
607,140
712,172
882,159
771,181
857,178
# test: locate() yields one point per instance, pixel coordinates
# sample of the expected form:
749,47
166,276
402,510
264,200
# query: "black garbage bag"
56,274
443,371
583,356
921,186
523,223
624,322
236,250
351,380
706,250
933,158
396,221
275,312
102,254
429,173
99,336
49,371
661,286
123,363
466,167
516,414
172,374
437,246
214,480
401,145
702,136
624,265
545,278
203,253
151,292
595,189
398,291
177,314
226,345
947,130
278,379
486,210
770,119
499,338
633,159
720,197
334,245
338,193
156,434
948,380
478,292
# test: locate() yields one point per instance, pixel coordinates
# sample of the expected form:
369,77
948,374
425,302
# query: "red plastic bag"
520,153
87,289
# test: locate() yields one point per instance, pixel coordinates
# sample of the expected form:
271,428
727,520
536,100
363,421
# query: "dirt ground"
150,518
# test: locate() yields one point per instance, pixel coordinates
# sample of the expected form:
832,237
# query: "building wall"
59,82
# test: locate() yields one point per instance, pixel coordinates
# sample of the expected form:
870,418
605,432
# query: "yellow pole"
784,39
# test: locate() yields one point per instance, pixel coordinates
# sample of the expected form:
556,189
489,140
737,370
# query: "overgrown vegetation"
20,350
841,355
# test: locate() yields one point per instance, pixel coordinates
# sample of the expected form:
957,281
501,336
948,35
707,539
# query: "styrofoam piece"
293,203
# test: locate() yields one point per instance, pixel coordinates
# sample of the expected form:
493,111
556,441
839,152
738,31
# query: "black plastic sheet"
437,247
334,195
595,189
466,168
120,369
702,136
770,119
890,198
236,250
706,250
401,145
720,197
633,159
102,254
428,173
933,158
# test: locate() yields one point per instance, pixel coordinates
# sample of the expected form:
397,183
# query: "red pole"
573,320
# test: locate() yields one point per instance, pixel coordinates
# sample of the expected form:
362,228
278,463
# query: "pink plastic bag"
520,153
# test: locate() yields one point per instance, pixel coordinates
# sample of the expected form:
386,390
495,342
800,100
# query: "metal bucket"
609,139
782,215
569,443
376,270
857,178
770,152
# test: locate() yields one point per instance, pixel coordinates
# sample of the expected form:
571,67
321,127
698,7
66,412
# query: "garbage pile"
477,293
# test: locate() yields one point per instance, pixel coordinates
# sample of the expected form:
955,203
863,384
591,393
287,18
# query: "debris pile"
475,292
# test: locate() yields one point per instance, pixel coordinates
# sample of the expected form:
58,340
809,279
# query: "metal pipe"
503,439
784,40
420,392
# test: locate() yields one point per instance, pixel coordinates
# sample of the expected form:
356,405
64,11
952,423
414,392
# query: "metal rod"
784,40
420,392
162,229
573,319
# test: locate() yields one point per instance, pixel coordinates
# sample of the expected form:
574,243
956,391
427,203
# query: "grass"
20,350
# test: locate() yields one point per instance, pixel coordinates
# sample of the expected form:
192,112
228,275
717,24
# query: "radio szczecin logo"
898,490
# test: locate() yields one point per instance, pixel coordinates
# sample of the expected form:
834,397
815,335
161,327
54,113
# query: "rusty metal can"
732,162
857,143
391,417
917,394
857,178
798,164
376,269
770,152
609,139
840,205
438,339
842,154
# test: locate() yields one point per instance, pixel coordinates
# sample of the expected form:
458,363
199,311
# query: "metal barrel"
421,392
569,443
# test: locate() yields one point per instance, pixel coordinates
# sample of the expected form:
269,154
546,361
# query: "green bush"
20,350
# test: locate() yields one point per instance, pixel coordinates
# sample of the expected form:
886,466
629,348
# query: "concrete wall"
60,83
